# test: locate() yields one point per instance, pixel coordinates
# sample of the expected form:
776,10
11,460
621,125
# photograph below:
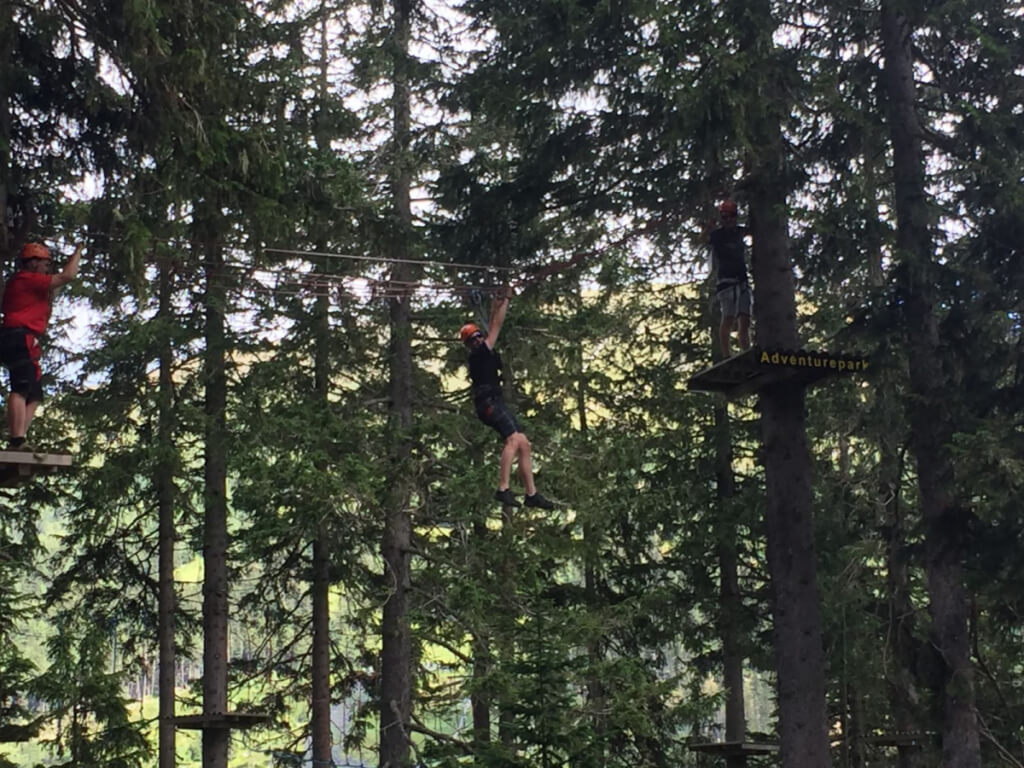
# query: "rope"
386,260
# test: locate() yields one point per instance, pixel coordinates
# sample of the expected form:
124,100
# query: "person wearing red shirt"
27,300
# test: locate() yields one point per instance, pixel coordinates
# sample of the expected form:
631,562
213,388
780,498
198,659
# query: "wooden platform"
736,748
17,467
756,368
221,720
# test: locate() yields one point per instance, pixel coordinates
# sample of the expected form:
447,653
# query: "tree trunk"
8,34
730,602
597,695
944,520
483,660
215,518
396,652
320,726
789,523
480,699
166,467
320,709
510,614
792,560
903,696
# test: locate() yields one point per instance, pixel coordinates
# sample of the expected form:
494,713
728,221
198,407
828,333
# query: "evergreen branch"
417,726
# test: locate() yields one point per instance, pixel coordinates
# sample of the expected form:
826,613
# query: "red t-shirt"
27,301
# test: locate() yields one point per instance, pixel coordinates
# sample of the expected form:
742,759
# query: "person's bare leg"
526,465
743,321
16,415
508,453
724,334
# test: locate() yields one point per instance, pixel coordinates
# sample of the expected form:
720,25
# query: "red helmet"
35,251
466,331
728,207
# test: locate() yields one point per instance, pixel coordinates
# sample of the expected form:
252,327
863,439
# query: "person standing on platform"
485,377
27,301
729,267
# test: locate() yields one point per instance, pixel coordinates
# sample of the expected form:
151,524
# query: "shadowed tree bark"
396,652
215,512
945,520
789,522
165,506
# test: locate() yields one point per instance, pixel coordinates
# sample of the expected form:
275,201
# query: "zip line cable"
329,278
349,256
377,287
388,260
179,242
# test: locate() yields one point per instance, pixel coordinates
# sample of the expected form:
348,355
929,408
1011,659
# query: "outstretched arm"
70,271
499,306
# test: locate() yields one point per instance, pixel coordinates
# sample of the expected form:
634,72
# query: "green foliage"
550,129
92,720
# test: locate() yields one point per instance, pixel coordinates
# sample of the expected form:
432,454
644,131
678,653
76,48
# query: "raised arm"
70,271
499,306
707,230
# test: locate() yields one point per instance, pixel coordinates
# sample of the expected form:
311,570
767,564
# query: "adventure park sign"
756,368
839,364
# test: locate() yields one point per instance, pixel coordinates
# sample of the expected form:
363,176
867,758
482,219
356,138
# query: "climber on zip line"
27,301
491,409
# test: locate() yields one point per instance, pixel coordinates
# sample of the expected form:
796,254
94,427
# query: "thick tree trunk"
396,652
789,522
215,517
792,560
944,520
167,601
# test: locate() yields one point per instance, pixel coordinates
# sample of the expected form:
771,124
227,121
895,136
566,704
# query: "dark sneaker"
507,498
539,502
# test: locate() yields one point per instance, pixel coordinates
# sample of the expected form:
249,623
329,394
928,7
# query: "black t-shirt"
730,253
484,372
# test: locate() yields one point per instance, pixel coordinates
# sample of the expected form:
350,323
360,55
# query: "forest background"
281,489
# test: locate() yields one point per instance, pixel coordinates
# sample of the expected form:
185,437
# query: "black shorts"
19,353
493,412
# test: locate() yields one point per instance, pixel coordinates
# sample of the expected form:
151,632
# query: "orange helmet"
466,331
35,251
727,207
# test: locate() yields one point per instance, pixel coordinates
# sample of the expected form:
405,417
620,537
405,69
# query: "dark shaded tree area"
282,499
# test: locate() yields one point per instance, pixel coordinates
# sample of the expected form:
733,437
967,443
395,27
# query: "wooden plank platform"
736,748
756,368
18,466
221,720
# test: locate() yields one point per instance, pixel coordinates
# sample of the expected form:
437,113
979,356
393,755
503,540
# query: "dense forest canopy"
279,545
